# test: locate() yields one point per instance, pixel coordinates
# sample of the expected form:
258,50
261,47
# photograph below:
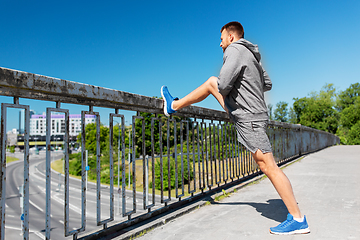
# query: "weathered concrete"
16,83
326,185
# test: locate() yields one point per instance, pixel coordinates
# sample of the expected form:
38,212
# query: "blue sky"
138,46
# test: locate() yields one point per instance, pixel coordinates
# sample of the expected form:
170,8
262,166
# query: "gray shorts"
253,136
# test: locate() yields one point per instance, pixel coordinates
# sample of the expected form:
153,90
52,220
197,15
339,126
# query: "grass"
11,159
58,166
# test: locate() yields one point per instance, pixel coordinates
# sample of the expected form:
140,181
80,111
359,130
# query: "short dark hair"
234,27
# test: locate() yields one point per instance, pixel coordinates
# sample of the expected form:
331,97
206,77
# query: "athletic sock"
299,219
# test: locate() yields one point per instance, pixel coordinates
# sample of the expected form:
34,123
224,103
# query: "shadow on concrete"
274,209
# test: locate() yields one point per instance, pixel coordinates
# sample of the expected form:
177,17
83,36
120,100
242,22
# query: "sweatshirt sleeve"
267,81
230,70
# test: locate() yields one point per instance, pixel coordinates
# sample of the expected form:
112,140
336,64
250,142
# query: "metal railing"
197,149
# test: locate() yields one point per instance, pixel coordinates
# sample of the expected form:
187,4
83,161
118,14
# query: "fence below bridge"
153,164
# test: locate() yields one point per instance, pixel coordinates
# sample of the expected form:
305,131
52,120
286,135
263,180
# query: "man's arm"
229,71
267,81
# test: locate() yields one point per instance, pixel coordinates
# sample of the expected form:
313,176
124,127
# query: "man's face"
226,39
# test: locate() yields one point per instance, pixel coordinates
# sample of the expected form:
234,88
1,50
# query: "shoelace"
285,224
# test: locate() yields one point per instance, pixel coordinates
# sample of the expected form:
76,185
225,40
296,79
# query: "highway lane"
37,206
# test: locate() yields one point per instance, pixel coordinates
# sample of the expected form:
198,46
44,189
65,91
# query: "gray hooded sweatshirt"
243,81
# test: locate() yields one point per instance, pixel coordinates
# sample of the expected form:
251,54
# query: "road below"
37,207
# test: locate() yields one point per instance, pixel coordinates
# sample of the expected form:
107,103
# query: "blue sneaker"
290,226
168,99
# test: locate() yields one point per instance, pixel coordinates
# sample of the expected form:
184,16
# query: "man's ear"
232,37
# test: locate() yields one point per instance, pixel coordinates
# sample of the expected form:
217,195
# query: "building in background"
38,124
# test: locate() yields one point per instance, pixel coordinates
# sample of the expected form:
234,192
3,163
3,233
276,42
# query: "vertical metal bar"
226,151
198,154
175,156
145,164
48,173
26,194
83,173
123,190
206,156
3,171
134,163
193,153
203,153
188,155
111,142
182,159
98,169
231,166
48,165
176,163
238,156
249,161
233,161
161,162
132,149
218,181
153,160
222,152
212,153
153,167
168,156
26,172
111,172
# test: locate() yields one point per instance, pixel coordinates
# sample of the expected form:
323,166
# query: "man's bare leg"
199,94
280,181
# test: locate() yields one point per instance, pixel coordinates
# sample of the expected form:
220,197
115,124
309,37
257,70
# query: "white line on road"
41,236
36,206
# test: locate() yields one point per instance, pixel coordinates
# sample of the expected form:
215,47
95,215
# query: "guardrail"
197,148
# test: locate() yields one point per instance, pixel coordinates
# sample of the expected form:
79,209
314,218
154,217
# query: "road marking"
36,206
41,236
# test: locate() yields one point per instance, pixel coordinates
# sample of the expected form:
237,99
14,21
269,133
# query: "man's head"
231,32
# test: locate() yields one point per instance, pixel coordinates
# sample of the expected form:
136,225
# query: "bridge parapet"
201,156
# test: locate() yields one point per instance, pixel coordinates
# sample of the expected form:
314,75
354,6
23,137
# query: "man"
240,91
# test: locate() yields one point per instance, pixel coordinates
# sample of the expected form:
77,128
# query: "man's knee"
212,82
266,163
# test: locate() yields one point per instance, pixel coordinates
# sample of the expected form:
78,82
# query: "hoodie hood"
252,48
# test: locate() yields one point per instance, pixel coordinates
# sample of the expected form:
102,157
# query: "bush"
75,168
187,178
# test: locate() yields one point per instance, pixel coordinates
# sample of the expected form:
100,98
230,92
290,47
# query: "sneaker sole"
165,103
301,231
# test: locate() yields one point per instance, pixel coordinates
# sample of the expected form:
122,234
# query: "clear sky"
138,46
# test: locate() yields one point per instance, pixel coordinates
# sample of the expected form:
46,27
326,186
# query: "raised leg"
199,94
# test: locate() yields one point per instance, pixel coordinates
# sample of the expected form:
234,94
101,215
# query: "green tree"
318,110
281,112
348,97
90,138
187,177
147,118
270,110
348,103
292,116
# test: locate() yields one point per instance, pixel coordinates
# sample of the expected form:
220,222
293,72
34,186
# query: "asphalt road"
37,211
